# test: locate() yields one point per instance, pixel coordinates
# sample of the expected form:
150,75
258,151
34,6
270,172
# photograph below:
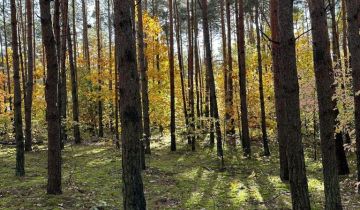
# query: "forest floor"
173,180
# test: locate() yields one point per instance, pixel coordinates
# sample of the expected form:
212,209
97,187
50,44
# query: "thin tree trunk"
29,85
74,91
99,63
261,85
62,80
211,82
191,75
85,35
181,67
172,79
19,138
246,144
144,79
7,58
229,113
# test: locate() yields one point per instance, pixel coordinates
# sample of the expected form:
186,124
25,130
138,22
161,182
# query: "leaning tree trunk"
290,85
325,79
353,9
130,109
19,138
52,114
211,81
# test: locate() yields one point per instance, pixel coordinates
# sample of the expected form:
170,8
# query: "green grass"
173,180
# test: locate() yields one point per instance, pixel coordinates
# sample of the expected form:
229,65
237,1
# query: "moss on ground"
173,180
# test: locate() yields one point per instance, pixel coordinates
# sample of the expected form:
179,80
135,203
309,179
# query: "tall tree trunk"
242,80
229,113
198,76
261,85
181,67
172,79
344,38
290,85
223,42
109,16
29,85
56,27
52,113
19,138
191,74
279,99
353,11
74,91
129,109
62,79
99,63
85,35
7,57
325,91
211,82
342,164
144,79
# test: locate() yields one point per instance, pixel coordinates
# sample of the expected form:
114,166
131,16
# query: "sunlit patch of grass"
173,180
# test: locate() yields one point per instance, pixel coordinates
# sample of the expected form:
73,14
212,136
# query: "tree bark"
211,82
181,67
74,91
229,113
172,79
191,75
7,58
52,113
279,99
29,85
130,109
99,63
85,35
261,85
19,138
353,9
62,80
246,144
290,85
325,79
144,79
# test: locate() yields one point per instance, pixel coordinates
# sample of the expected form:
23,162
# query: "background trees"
186,73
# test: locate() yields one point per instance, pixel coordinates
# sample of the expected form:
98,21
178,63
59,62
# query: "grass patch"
173,180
